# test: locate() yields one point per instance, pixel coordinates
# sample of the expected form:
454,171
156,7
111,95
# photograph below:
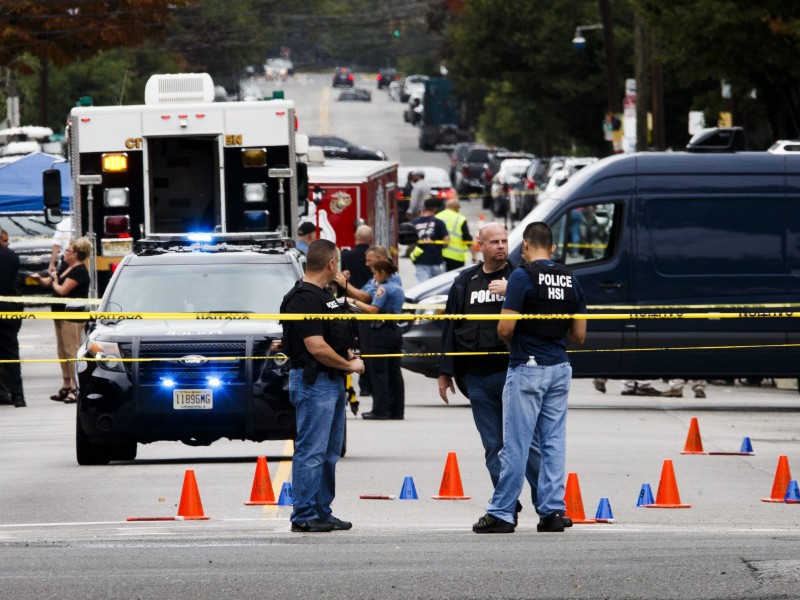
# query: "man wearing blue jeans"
481,290
537,383
320,353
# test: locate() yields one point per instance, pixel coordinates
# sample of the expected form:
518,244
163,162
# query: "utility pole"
612,71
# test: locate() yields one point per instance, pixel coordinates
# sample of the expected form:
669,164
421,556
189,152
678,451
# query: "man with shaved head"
480,289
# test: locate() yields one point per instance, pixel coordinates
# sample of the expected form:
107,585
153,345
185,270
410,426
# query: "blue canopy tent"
21,183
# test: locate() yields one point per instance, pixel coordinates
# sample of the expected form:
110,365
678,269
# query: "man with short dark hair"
427,256
538,381
321,354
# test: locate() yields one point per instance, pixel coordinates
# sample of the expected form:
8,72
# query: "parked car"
457,156
336,147
342,77
385,76
561,170
471,172
436,178
355,95
509,197
185,388
666,232
411,84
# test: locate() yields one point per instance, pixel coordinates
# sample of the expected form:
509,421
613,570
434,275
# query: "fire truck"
343,194
179,164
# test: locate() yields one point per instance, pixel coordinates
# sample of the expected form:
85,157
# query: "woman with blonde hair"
71,281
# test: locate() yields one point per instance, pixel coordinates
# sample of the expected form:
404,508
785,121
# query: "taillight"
487,175
465,170
350,77
117,225
446,194
530,183
379,77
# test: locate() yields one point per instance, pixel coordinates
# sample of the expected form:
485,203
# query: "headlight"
106,354
432,305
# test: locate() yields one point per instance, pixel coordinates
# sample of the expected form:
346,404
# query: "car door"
592,238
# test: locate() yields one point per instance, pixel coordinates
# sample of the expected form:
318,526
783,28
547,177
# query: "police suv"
217,375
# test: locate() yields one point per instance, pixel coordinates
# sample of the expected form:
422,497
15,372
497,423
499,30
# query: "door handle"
611,286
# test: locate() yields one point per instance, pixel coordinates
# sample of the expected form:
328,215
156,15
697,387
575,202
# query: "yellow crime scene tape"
74,316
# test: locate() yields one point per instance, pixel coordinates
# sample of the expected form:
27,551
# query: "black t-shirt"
9,268
355,261
81,276
310,299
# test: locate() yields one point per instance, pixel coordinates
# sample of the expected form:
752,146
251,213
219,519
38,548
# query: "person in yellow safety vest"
455,253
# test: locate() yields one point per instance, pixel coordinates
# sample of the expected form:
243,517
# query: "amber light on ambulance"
114,163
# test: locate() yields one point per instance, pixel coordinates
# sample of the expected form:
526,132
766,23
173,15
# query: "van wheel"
124,451
89,453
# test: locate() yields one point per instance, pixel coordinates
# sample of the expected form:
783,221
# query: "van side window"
584,233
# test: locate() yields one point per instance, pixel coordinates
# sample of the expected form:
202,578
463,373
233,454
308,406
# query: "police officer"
455,253
10,373
480,290
537,384
320,353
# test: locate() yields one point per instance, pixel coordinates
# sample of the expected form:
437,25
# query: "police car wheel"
87,452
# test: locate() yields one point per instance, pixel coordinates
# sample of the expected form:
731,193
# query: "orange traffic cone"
451,488
782,478
262,485
694,445
668,496
574,501
190,507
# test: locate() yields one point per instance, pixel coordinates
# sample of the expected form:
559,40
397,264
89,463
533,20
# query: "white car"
412,84
508,193
785,147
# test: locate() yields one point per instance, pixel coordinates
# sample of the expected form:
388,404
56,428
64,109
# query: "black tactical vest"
553,294
474,336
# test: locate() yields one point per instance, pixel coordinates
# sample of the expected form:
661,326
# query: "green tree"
35,35
753,46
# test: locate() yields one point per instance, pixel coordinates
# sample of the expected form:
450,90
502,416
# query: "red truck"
349,193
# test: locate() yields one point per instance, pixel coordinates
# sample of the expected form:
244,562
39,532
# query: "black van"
667,234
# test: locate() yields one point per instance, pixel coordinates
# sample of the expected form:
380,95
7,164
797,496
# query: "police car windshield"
221,287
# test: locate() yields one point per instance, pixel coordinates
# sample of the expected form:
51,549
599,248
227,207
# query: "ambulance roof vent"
179,88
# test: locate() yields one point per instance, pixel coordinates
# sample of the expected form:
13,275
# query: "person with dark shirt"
537,384
354,261
427,256
321,354
481,290
10,373
72,281
356,272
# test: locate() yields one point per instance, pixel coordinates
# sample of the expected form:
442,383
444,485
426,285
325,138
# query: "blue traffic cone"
792,493
604,514
645,496
285,498
747,446
409,491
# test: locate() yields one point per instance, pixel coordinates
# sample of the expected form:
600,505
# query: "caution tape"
407,354
120,316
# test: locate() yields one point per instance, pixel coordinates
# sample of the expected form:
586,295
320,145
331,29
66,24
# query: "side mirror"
51,188
53,216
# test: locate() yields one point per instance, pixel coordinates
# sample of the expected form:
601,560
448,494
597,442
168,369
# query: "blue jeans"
427,271
320,434
486,400
534,404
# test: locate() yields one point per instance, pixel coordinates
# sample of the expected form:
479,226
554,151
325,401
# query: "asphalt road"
64,533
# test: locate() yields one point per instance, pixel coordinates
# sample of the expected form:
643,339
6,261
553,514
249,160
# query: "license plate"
192,399
112,247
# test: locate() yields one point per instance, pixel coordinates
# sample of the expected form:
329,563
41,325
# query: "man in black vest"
537,384
480,290
10,373
321,353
